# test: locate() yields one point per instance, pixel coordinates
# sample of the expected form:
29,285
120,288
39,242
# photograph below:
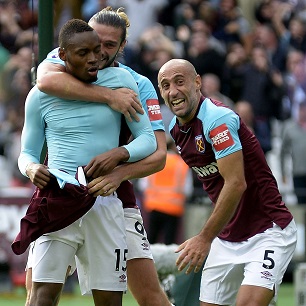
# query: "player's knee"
45,294
107,298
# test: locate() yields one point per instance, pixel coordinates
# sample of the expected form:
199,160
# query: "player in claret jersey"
250,237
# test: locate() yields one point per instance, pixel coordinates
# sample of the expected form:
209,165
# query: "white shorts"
30,257
136,236
30,260
260,261
98,243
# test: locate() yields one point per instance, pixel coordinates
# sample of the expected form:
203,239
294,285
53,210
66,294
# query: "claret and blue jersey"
214,133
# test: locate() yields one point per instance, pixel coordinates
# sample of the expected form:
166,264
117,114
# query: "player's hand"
104,185
100,165
125,101
193,253
106,162
38,174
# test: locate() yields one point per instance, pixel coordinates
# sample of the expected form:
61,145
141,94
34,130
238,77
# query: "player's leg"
28,269
143,280
50,262
221,275
28,281
144,284
254,295
28,285
47,294
264,272
101,260
107,298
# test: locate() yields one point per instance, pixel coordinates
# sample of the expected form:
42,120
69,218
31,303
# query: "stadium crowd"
253,52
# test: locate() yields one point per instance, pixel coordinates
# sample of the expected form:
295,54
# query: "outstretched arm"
195,249
53,79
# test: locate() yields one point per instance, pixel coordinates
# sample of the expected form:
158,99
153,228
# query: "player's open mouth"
177,102
93,70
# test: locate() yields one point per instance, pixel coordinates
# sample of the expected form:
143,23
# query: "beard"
110,61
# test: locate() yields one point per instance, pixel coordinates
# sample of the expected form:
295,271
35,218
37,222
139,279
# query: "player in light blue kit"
76,132
111,27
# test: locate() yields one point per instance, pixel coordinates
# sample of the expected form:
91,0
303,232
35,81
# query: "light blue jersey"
147,93
213,116
76,131
148,98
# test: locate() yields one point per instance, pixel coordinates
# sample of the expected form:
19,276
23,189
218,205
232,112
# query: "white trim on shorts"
260,261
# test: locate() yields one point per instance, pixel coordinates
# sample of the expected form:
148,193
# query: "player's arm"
143,145
229,157
127,171
147,166
195,250
154,162
32,140
53,79
231,168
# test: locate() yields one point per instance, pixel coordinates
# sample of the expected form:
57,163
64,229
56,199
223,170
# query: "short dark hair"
70,28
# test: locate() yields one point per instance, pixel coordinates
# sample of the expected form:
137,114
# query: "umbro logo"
266,275
122,278
145,246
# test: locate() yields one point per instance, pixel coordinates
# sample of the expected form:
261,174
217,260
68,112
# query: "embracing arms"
52,79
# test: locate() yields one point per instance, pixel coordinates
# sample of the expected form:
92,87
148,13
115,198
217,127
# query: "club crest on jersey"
200,144
221,137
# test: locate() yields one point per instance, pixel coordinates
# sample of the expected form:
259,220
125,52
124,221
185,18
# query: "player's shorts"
30,260
260,261
136,236
98,243
30,257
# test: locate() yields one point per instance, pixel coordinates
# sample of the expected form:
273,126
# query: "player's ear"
62,54
198,81
122,46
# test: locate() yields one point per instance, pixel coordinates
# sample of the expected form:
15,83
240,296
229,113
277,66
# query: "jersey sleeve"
150,103
221,127
33,135
148,98
144,142
53,58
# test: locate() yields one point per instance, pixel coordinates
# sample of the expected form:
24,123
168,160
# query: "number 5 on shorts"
268,258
